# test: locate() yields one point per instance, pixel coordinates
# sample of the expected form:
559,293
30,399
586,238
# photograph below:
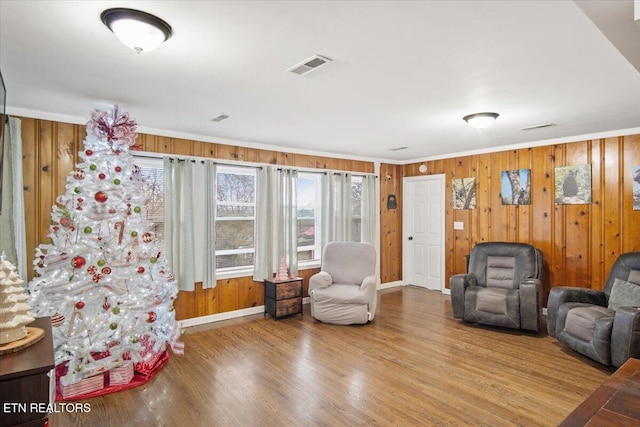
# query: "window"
308,213
151,171
356,208
235,217
235,214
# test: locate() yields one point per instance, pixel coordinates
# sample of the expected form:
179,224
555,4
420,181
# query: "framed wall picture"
464,193
516,187
573,185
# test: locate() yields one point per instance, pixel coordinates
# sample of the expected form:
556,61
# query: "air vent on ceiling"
220,118
309,65
398,148
544,125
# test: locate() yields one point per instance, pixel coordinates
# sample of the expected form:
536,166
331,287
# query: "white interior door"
423,231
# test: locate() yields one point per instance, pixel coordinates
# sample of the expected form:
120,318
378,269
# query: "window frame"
241,270
317,206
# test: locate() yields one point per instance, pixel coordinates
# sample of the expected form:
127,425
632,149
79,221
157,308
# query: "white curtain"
12,227
178,223
264,262
336,207
286,198
343,206
209,235
369,208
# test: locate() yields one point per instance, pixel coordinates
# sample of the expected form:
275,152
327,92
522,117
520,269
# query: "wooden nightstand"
24,381
283,298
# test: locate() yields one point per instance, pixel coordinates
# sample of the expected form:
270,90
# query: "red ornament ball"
101,175
118,169
88,153
101,197
65,221
151,317
78,262
140,269
80,305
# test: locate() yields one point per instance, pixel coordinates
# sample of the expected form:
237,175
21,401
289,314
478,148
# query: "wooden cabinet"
24,381
283,298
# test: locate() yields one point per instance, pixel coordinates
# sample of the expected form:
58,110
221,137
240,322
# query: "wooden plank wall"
390,224
50,151
579,242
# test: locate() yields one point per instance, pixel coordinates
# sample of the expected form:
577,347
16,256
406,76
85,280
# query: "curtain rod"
319,171
324,172
201,161
171,159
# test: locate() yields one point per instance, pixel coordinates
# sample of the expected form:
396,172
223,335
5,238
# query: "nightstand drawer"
288,290
288,306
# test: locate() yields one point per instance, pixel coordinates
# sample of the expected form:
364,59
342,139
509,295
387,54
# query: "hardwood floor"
414,365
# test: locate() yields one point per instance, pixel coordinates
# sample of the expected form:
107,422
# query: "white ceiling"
403,73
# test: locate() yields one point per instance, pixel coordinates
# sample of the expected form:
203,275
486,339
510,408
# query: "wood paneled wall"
390,223
50,151
579,242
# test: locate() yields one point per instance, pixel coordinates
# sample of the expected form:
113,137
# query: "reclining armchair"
345,290
502,287
602,325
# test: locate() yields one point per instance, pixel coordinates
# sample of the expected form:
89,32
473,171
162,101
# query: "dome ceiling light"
137,30
480,120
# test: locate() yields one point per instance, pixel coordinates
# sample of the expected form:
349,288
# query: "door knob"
410,237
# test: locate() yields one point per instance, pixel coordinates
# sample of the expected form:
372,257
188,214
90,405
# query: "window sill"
235,274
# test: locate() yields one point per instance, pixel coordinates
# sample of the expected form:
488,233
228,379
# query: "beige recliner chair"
345,290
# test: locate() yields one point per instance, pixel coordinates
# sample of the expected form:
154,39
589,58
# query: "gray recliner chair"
602,325
502,287
345,290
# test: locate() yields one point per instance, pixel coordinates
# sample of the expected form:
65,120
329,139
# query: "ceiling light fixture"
480,120
137,30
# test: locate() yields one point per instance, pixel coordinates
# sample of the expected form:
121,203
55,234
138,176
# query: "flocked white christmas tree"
15,313
103,279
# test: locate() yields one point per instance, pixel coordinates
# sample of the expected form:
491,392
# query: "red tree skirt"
139,378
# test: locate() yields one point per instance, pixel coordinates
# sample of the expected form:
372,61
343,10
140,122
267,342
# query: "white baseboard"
446,291
211,318
391,285
195,321
202,320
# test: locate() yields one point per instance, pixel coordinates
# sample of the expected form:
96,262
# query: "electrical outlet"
458,225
